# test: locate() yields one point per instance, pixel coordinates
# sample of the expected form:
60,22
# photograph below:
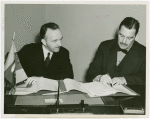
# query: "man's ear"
137,36
43,41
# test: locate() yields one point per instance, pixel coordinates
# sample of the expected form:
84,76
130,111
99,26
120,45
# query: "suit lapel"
131,60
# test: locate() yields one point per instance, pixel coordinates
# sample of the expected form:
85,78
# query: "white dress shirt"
45,51
121,55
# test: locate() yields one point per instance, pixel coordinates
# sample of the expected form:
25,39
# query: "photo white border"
73,115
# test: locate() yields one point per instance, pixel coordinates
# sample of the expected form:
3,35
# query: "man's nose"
124,40
59,43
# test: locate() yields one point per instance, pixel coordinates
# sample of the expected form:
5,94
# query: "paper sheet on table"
98,89
121,88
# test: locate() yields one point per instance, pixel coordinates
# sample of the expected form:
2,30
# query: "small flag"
10,66
14,73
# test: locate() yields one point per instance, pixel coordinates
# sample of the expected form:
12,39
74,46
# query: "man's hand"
119,81
106,79
31,80
12,91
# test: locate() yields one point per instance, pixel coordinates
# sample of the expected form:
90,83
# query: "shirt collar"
45,51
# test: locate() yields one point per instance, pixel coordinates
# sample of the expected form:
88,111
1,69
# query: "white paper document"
95,89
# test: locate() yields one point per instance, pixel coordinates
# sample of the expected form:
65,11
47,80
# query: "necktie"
122,50
47,61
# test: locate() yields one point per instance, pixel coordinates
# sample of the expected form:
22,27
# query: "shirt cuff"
97,78
124,81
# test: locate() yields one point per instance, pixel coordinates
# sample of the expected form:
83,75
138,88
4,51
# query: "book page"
98,89
46,84
40,84
73,85
121,88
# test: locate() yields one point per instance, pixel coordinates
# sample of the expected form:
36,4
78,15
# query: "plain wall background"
83,27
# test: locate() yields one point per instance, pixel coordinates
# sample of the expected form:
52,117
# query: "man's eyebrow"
55,40
130,37
121,33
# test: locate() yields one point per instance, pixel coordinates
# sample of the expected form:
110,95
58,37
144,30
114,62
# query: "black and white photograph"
74,59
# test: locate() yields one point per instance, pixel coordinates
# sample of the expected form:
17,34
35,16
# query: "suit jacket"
32,60
132,67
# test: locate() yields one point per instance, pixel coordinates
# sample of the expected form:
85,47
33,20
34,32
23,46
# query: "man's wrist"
97,78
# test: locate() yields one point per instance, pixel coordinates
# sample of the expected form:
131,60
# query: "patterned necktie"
47,61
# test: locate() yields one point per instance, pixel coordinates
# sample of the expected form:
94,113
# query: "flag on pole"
13,71
10,66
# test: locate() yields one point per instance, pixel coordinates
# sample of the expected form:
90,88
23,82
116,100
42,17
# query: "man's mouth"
58,47
122,44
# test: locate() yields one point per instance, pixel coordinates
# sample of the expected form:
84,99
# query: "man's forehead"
127,32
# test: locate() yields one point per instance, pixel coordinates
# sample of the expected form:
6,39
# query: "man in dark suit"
121,60
48,58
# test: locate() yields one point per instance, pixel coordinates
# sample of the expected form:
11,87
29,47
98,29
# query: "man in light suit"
48,58
121,60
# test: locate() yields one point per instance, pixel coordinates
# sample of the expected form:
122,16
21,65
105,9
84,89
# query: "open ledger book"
48,84
93,89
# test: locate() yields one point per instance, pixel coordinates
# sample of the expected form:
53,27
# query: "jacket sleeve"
67,71
95,67
138,78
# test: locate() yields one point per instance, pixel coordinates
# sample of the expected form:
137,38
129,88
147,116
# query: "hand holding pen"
110,82
106,79
118,81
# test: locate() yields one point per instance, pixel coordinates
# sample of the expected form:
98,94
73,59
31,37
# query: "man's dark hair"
44,28
130,23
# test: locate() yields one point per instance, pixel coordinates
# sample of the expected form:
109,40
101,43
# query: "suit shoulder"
141,49
63,50
107,41
107,44
30,47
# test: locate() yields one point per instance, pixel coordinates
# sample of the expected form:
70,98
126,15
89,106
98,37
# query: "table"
111,105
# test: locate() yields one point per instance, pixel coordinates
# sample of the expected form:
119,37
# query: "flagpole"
13,37
13,89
